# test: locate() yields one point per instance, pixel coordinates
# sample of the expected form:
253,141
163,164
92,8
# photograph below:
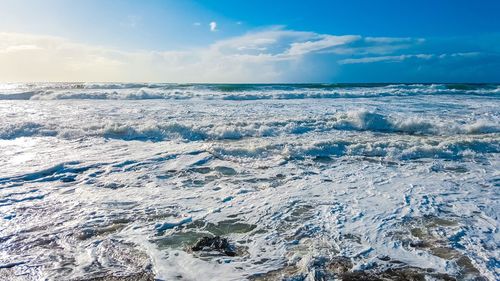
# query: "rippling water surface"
100,180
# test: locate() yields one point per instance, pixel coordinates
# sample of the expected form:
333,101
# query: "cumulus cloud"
213,26
270,55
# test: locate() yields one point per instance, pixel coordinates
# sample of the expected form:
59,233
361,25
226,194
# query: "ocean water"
100,180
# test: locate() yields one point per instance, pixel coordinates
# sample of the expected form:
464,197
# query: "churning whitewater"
293,182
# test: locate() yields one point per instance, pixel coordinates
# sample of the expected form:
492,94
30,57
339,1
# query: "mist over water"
101,179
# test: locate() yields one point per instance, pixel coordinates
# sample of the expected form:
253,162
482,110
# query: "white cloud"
44,58
389,39
213,26
270,55
454,55
281,44
385,59
400,58
196,23
19,48
322,42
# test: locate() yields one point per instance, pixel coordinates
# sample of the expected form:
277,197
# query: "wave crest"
358,120
445,148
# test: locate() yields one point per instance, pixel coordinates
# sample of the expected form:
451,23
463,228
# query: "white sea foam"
150,129
120,179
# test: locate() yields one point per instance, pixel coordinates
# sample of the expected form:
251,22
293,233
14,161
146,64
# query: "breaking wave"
358,120
451,148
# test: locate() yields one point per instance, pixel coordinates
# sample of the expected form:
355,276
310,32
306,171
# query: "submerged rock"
341,268
216,243
141,276
413,274
339,265
396,274
359,276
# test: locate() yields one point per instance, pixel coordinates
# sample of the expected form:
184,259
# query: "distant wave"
138,91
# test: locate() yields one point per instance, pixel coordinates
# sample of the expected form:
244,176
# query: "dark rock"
418,244
384,258
216,243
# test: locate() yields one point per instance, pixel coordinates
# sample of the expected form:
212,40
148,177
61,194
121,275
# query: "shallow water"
120,179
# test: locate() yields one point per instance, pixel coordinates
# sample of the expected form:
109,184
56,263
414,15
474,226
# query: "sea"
300,181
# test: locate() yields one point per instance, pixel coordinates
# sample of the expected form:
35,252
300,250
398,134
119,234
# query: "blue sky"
250,41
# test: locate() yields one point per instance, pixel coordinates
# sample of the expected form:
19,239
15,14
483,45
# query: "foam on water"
160,126
99,180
